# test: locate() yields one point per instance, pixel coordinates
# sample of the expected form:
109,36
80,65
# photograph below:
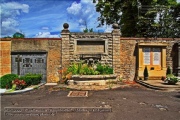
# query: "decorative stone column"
116,49
178,69
65,35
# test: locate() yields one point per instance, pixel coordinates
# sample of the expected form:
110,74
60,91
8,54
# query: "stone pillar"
140,59
116,49
164,59
65,35
178,69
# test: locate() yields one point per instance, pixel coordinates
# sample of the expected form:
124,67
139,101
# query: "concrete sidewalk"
159,85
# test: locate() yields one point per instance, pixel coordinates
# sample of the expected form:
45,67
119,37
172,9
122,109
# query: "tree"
18,35
168,71
7,37
86,30
176,17
145,73
163,24
122,12
138,17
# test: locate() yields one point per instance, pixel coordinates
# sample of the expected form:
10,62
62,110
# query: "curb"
22,91
150,86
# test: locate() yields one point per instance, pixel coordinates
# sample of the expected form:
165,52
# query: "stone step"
90,82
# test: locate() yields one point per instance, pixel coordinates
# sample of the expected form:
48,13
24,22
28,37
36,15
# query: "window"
151,56
27,62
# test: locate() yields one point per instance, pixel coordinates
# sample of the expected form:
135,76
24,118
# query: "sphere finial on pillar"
115,26
66,25
116,30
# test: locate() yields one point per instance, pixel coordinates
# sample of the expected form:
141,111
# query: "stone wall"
129,63
106,58
172,54
110,56
5,56
122,53
128,58
51,45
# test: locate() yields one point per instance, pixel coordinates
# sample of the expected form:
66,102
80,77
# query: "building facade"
127,56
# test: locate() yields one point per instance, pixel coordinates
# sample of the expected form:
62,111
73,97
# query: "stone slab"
78,94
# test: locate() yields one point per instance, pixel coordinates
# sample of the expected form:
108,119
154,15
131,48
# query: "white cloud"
15,6
46,35
9,12
9,23
108,29
81,21
83,12
74,9
86,1
45,28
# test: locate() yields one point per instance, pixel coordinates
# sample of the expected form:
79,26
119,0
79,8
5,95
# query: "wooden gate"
23,63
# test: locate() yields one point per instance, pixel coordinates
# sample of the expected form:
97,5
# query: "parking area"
127,103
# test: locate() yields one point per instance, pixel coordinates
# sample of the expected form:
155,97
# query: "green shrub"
100,68
104,69
170,76
171,79
107,70
146,72
168,71
85,69
74,68
32,79
6,80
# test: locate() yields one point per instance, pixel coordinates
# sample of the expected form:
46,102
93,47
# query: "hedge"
32,79
6,80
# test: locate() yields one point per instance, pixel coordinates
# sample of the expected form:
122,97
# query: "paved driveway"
128,103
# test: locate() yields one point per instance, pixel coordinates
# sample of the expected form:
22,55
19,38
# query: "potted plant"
168,71
146,75
163,78
171,79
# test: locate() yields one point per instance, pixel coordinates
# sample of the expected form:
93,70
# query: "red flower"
19,83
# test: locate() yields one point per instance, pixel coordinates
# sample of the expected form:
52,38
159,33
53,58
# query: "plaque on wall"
156,56
146,55
90,47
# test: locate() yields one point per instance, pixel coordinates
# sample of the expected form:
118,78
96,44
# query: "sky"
45,18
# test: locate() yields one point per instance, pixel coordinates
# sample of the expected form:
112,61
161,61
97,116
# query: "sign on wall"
92,47
146,55
156,56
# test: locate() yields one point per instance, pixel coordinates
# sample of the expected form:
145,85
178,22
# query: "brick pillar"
65,35
116,49
178,69
5,56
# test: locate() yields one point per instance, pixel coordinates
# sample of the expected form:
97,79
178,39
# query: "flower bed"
84,72
14,82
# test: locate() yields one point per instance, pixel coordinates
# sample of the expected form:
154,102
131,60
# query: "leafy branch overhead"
141,18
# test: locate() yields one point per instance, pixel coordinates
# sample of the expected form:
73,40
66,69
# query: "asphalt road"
127,103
